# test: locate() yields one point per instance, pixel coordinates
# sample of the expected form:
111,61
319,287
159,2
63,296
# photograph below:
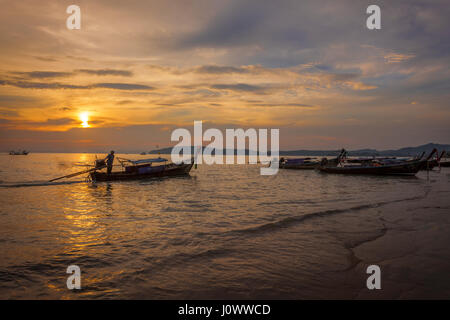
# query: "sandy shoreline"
413,248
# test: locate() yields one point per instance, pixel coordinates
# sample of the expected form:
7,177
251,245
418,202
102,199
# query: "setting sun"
84,117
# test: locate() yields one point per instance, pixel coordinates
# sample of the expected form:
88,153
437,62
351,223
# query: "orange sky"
138,69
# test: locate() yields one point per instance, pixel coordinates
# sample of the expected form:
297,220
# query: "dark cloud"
44,74
124,102
4,121
58,121
7,99
240,87
46,59
58,74
299,105
57,85
41,85
107,72
342,76
122,86
204,93
238,24
212,69
48,122
8,113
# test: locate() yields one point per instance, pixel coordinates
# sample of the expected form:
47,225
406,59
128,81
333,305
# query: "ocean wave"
38,184
288,221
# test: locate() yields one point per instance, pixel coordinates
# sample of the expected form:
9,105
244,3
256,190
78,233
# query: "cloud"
397,57
213,69
8,113
41,85
341,76
7,99
51,123
124,102
57,122
240,87
122,86
281,104
107,72
44,74
57,85
46,59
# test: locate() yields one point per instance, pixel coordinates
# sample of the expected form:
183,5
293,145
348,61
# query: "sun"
84,117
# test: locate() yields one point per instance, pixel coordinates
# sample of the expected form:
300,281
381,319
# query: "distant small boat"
142,169
18,153
142,153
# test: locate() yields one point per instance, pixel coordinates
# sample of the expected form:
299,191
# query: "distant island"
403,152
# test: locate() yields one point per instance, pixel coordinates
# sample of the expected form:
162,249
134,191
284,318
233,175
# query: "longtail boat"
141,169
399,167
429,164
18,153
407,168
299,163
365,160
307,163
445,159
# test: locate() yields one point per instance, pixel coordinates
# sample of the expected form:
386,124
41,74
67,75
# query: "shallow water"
222,232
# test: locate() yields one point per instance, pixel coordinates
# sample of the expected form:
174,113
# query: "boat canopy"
297,160
143,161
147,161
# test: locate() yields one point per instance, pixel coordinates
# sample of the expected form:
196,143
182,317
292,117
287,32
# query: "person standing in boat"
109,161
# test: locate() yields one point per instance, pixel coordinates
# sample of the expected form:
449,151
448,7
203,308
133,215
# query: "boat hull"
409,168
158,172
304,166
445,164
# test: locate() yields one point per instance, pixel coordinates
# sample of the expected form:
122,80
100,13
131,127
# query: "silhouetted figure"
109,161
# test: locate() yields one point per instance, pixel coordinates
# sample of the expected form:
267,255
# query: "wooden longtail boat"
368,160
429,164
398,167
444,161
307,163
407,168
18,153
142,169
299,163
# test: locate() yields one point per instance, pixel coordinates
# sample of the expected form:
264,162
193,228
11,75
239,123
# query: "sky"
137,70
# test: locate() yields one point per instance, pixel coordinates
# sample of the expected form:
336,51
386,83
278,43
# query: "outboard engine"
100,163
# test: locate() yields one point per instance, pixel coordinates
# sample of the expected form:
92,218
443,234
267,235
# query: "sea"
222,232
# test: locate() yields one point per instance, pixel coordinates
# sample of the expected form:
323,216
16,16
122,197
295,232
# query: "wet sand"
413,251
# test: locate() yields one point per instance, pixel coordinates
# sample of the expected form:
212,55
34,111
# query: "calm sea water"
222,232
